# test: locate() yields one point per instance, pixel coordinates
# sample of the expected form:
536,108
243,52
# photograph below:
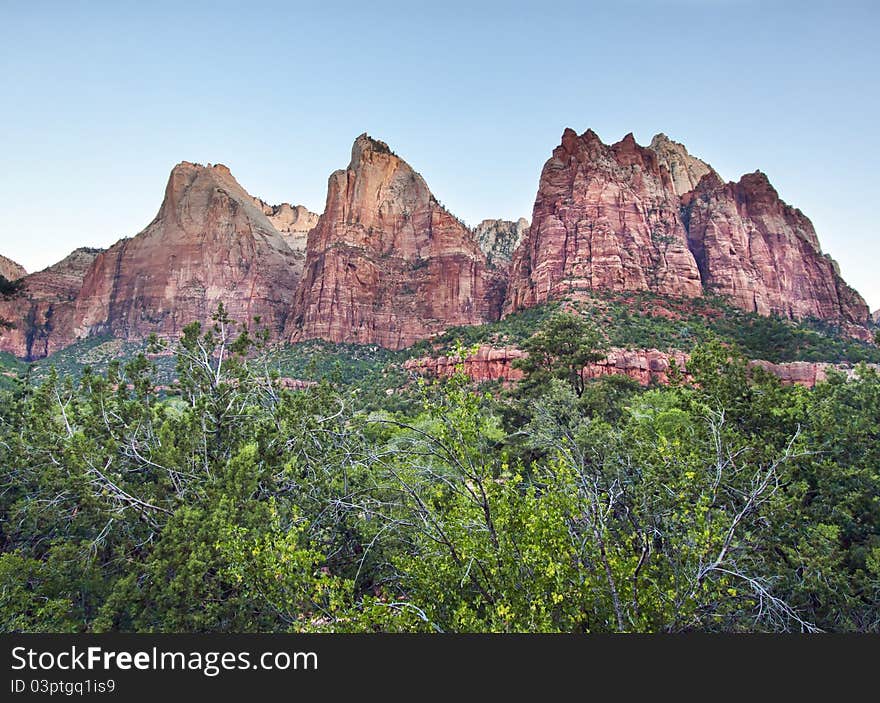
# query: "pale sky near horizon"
101,99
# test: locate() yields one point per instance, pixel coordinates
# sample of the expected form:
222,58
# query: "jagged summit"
606,217
365,144
685,170
627,217
386,263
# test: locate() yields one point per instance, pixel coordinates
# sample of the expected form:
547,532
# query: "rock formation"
684,170
292,221
875,316
605,217
624,217
209,243
10,270
386,263
42,311
499,239
645,366
763,254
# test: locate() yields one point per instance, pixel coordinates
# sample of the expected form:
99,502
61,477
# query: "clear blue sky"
101,99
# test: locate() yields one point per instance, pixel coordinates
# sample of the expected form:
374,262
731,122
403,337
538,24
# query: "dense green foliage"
229,503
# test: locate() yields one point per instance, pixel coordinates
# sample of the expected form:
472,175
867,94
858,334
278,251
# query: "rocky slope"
763,254
605,217
386,263
499,239
42,311
875,316
209,243
643,365
10,270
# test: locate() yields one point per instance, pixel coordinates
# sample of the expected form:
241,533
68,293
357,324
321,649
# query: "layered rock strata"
387,264
42,310
605,218
645,366
209,243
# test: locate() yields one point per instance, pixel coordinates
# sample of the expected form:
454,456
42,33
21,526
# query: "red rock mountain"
42,311
387,264
763,254
605,218
10,270
625,217
209,243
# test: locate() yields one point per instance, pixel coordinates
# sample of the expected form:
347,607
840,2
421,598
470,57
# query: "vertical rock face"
386,263
42,311
684,170
499,239
763,254
292,221
209,243
605,217
875,316
10,270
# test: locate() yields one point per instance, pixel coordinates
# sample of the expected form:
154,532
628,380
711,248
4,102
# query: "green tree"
562,348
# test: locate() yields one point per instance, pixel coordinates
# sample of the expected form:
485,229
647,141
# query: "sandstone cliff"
763,254
42,311
624,217
210,242
605,217
10,270
387,264
499,239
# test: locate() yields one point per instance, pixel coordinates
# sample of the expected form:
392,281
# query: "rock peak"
605,218
590,136
386,264
684,169
365,144
764,255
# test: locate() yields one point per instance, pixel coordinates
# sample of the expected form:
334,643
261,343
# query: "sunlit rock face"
764,255
386,264
605,218
210,243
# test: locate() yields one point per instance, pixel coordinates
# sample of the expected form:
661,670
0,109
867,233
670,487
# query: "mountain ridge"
387,264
